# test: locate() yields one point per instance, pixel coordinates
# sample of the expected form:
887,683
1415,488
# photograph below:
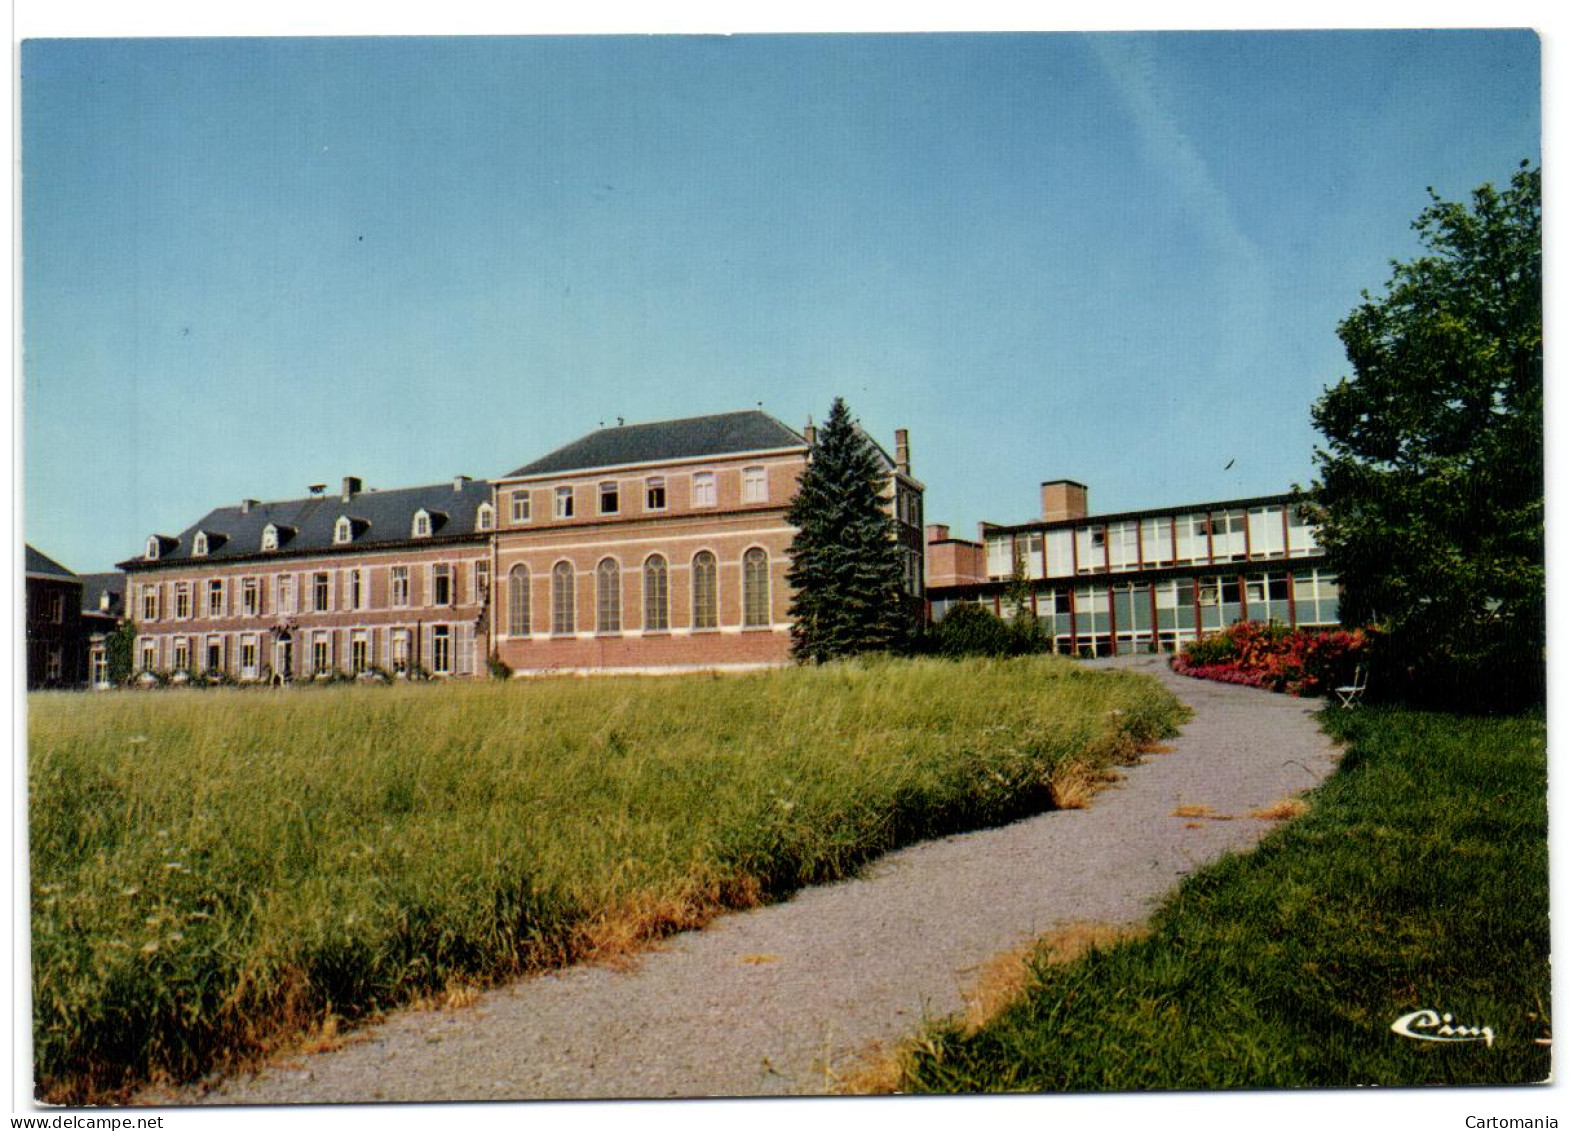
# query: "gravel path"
777,1000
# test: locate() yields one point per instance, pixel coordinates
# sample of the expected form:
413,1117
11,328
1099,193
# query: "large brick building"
56,644
1141,581
645,546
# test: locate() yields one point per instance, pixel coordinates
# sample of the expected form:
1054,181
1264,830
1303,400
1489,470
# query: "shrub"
973,630
1271,656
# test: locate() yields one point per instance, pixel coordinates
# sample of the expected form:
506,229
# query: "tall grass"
1417,881
215,869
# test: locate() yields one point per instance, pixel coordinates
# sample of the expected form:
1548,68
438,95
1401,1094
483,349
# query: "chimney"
351,487
810,433
1063,499
459,482
901,450
247,504
936,532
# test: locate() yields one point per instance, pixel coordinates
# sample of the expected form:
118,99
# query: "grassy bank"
1417,880
214,870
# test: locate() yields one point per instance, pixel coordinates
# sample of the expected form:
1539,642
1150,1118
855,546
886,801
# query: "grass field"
1417,880
216,871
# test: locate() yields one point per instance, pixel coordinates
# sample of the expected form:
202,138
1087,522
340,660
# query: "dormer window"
485,517
199,544
343,531
421,524
269,537
152,548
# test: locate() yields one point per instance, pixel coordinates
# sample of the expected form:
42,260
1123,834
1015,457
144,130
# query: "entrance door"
283,663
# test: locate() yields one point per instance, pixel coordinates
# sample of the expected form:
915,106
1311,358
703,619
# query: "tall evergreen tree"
844,562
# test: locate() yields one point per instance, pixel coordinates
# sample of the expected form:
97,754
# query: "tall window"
248,657
400,587
705,591
754,485
359,653
485,517
441,650
321,661
656,595
610,498
608,584
564,502
320,588
286,593
182,653
400,651
421,524
517,602
441,584
481,581
182,600
654,494
520,506
215,598
356,590
149,655
199,545
250,596
149,602
754,588
703,489
563,614
343,531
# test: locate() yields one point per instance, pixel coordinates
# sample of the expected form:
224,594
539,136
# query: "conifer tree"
845,566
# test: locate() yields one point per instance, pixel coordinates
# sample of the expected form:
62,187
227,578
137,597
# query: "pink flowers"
1271,656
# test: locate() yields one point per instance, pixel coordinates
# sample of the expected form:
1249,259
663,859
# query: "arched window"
152,548
343,531
269,537
199,545
608,583
563,617
517,601
754,588
421,528
485,517
656,595
705,591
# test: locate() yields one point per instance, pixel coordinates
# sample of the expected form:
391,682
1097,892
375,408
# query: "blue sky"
251,265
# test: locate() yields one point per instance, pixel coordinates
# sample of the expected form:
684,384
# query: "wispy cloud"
1243,285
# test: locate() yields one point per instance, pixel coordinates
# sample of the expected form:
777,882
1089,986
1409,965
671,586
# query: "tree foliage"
119,657
1430,483
845,566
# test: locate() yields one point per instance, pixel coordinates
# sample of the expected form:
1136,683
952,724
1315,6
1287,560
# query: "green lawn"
214,870
1418,880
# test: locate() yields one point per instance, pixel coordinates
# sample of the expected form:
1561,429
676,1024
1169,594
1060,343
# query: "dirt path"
781,999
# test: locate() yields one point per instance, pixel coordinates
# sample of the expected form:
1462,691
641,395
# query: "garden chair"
1351,694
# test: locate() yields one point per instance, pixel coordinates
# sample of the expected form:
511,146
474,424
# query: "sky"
254,264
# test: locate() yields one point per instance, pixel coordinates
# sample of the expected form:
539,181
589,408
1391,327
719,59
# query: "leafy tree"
119,653
845,565
1430,484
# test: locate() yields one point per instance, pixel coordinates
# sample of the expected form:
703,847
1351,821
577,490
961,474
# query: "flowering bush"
1271,656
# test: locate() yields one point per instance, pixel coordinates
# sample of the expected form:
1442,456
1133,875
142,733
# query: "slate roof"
307,524
691,438
96,584
42,565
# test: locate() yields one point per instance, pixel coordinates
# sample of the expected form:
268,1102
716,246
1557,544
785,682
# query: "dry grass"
1287,809
1202,811
1075,784
999,981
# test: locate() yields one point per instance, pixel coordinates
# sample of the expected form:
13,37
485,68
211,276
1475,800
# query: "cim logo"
1427,1025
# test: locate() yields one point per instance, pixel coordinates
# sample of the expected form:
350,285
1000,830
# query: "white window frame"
522,507
342,531
442,572
421,525
440,649
485,517
566,498
199,545
152,548
216,587
705,489
269,537
250,596
650,485
398,586
754,485
321,591
610,491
